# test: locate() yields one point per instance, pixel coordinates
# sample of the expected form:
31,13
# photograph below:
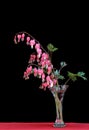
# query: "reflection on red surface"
42,126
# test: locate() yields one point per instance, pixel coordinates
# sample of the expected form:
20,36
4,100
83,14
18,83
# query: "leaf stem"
67,81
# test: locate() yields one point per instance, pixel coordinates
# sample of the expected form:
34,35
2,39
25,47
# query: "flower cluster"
39,63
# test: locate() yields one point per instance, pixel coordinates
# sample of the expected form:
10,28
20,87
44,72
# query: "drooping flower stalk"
23,32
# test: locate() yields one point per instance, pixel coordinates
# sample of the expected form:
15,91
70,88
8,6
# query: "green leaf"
81,75
56,73
51,47
55,49
72,76
61,77
84,78
63,63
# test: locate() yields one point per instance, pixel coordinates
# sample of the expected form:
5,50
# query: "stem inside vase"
59,104
58,107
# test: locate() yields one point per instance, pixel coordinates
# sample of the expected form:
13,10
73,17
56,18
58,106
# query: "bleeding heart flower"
43,77
43,64
48,79
44,85
32,43
32,58
48,62
51,84
45,56
19,37
37,46
29,70
40,72
15,41
25,74
49,70
39,51
22,37
54,81
28,40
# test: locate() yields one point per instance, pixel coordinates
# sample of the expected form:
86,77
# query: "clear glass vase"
58,94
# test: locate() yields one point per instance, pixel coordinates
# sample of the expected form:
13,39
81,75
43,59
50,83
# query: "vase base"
59,125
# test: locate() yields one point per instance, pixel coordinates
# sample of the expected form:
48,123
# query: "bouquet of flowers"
40,65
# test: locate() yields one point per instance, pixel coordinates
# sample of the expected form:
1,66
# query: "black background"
67,29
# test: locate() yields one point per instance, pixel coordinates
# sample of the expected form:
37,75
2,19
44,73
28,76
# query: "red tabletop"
42,126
